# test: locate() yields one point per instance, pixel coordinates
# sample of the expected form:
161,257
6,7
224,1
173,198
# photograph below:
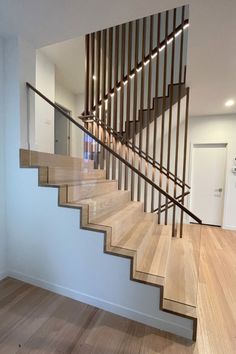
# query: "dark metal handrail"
121,159
170,204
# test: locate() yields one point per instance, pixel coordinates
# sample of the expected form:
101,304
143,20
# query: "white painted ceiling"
212,44
68,58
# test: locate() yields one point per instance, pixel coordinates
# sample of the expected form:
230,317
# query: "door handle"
219,190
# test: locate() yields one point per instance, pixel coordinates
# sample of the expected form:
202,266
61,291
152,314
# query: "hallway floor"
33,320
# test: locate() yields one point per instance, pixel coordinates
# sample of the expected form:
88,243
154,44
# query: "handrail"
134,169
135,149
170,204
147,58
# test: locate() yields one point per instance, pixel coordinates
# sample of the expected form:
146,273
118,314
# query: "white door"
208,182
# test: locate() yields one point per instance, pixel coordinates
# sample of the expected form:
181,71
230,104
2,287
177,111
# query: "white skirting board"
3,275
48,249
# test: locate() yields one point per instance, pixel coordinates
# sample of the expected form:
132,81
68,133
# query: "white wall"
48,84
3,239
220,129
72,102
44,114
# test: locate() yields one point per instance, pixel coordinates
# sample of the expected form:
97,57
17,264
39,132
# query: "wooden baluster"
121,122
135,78
127,124
109,74
97,99
142,103
163,111
149,104
103,86
184,158
170,113
116,58
155,108
86,96
178,122
91,79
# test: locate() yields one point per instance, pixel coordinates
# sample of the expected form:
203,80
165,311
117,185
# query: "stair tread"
182,273
133,237
100,205
81,182
114,218
153,253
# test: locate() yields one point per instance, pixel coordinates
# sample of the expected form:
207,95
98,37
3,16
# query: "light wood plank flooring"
34,320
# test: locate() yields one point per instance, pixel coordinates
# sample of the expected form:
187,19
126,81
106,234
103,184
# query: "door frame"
192,146
68,123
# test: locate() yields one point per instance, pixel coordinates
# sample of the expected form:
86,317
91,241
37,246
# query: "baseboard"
229,227
3,275
105,305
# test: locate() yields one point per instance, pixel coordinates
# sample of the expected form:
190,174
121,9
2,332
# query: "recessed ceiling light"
229,103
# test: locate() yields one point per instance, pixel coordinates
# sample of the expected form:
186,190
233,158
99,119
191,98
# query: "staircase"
132,185
156,259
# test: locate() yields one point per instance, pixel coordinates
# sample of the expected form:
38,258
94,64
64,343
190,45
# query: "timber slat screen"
136,96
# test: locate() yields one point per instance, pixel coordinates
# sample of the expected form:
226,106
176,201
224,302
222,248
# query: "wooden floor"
34,320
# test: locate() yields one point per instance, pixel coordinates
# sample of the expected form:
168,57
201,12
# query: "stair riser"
128,221
99,209
143,233
88,190
146,240
59,175
35,158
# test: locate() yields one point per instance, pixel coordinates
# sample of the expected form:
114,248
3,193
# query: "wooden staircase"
157,259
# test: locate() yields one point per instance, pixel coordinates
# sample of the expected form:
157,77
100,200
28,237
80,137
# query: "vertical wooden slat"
163,112
91,89
116,54
170,112
149,104
86,96
97,98
121,122
155,109
103,86
184,158
141,103
127,126
109,74
135,89
86,99
178,123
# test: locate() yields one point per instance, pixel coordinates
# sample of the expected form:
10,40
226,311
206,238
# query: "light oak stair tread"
83,182
101,204
182,273
178,308
153,253
134,237
121,220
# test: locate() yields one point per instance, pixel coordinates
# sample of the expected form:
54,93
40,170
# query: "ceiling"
68,58
212,49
